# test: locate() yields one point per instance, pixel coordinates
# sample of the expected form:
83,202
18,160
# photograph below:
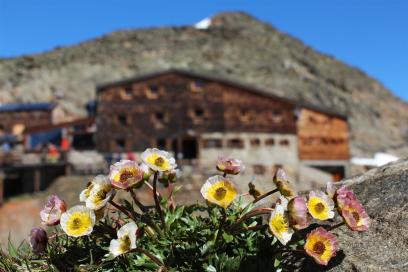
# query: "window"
122,119
259,169
199,112
197,86
152,91
212,143
235,143
159,116
284,142
161,143
127,92
276,116
190,148
270,142
245,115
255,142
120,144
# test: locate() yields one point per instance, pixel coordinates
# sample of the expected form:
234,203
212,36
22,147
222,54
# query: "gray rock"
384,193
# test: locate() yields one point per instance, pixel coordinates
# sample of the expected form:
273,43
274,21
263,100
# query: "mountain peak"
233,19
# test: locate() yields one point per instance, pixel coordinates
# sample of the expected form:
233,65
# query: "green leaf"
211,268
11,249
276,263
227,237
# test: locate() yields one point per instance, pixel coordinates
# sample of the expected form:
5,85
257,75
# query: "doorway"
190,148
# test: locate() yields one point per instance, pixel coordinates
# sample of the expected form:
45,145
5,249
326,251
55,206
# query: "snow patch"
378,160
203,24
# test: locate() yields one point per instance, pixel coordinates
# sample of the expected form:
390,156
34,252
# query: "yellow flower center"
220,193
126,174
319,207
78,223
159,161
279,224
100,196
124,243
356,216
319,247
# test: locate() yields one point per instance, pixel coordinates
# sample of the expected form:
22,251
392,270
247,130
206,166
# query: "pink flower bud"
298,213
52,211
343,195
38,240
282,183
229,165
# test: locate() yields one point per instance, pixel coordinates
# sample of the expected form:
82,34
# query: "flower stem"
156,199
152,257
121,208
265,195
222,222
250,214
151,188
258,227
335,226
137,202
293,250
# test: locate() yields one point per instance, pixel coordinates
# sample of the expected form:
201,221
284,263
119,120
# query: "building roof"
223,80
88,121
26,107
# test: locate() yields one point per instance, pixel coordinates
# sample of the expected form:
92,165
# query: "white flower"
219,190
78,221
125,174
158,160
279,225
98,193
320,205
126,240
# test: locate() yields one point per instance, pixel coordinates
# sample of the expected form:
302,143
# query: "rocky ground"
384,193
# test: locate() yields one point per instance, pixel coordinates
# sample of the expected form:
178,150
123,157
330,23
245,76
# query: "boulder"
384,193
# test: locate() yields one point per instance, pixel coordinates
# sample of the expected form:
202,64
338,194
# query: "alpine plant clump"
232,231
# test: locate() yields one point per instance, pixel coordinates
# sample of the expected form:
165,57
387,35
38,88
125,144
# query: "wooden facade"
170,110
179,111
322,137
14,118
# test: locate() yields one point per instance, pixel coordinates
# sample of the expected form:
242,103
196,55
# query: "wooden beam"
37,180
2,177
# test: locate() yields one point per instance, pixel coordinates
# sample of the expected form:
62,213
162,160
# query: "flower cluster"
294,212
229,216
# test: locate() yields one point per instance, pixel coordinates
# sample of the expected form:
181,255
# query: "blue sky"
369,34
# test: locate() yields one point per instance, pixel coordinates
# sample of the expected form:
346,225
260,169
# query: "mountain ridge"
235,45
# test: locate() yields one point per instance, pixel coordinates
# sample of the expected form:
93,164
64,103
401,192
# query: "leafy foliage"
172,237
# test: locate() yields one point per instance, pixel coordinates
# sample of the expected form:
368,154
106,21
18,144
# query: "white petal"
130,230
114,247
82,195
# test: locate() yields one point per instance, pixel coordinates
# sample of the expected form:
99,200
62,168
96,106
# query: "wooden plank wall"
322,137
25,118
170,105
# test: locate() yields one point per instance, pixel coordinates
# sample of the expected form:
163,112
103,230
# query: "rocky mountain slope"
235,45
